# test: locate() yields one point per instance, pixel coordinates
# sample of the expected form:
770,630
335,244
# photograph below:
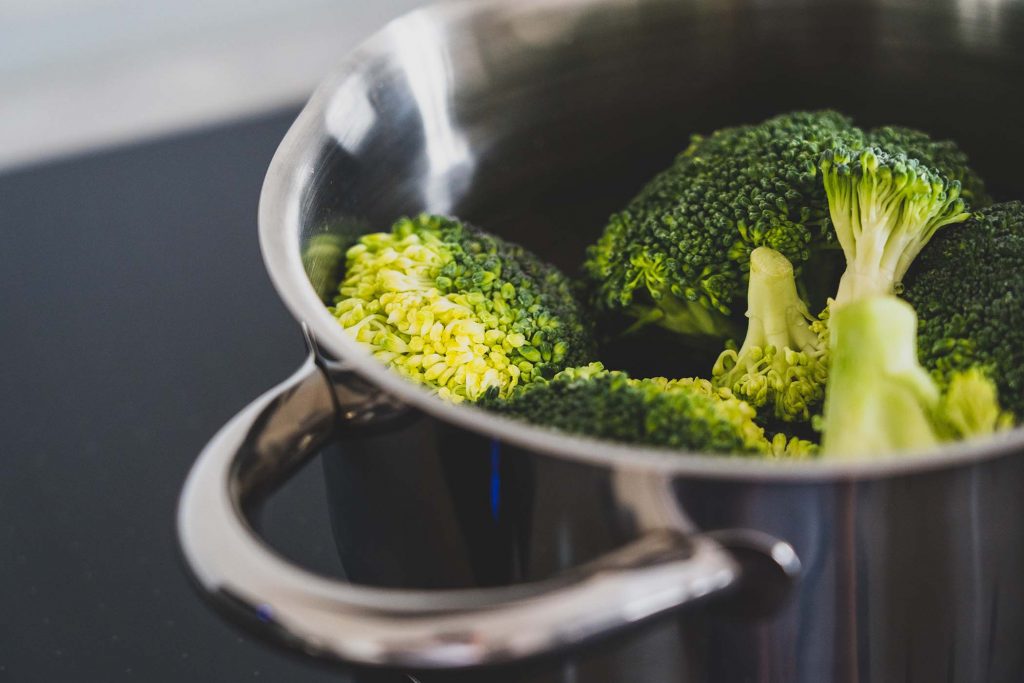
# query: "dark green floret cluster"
678,254
944,156
916,337
688,414
968,290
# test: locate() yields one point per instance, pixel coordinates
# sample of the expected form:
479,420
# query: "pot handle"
662,570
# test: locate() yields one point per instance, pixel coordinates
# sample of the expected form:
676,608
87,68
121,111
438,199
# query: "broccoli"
459,310
944,156
884,207
686,413
879,399
968,291
677,255
783,360
971,407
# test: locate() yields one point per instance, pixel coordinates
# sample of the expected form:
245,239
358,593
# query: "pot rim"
280,227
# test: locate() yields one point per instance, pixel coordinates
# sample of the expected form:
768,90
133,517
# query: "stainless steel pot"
472,540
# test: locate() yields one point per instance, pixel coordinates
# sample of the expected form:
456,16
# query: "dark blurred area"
137,319
137,316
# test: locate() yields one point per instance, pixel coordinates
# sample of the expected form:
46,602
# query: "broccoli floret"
459,310
791,447
970,406
968,290
942,155
880,399
688,414
783,362
678,254
884,207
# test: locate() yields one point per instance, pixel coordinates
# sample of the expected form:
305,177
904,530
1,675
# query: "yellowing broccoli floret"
459,310
880,400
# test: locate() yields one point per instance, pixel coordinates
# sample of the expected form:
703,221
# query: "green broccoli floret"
678,254
460,310
884,208
945,156
687,414
783,362
968,290
880,399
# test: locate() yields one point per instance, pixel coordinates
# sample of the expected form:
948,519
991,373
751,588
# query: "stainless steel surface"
538,118
491,110
665,568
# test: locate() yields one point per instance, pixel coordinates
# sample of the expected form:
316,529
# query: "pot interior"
538,120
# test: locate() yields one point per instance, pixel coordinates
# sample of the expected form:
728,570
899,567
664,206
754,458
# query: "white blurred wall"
80,74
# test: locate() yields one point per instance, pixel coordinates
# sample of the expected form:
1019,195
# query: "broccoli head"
678,254
884,207
879,399
459,310
688,414
968,291
945,156
783,362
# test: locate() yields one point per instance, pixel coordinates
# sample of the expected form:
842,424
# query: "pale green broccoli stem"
884,209
879,399
778,316
687,318
782,360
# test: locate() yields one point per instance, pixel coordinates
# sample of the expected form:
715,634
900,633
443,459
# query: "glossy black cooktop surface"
136,319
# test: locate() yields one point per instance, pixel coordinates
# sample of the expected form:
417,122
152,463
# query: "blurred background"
136,316
77,74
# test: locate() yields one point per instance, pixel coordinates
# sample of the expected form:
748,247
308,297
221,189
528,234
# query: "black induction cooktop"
136,319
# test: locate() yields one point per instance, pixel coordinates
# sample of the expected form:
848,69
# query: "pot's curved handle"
663,570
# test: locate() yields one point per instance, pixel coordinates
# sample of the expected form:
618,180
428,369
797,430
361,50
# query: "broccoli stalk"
783,360
684,317
884,208
880,399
